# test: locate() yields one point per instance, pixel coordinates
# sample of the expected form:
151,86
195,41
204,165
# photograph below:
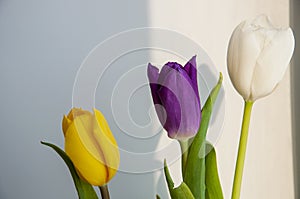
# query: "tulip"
91,146
258,56
175,90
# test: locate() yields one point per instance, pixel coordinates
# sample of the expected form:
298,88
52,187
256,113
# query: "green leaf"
84,189
213,185
181,192
195,167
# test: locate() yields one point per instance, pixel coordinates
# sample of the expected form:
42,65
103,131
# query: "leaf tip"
220,77
165,163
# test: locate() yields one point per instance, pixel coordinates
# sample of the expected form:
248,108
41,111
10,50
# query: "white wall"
269,167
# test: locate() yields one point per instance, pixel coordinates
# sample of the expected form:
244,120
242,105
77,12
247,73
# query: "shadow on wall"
295,84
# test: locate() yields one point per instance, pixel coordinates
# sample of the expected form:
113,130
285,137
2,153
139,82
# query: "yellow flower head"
91,146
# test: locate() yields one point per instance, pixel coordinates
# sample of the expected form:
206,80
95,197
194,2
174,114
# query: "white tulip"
258,56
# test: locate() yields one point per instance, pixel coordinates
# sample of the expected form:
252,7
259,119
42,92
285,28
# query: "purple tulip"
176,98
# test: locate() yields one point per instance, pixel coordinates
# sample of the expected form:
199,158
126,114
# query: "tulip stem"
236,189
184,145
104,192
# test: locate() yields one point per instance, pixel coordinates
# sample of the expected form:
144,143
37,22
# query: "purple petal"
191,69
174,65
181,104
153,74
170,67
172,117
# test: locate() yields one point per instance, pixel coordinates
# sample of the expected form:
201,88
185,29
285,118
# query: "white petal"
272,62
262,21
243,51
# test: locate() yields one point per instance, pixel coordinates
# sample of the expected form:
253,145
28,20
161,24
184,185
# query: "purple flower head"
175,93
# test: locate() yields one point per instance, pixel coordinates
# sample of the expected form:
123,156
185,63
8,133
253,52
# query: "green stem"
236,189
184,145
104,192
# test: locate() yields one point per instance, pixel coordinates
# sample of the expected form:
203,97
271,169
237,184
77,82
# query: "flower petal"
258,56
272,62
243,51
191,69
83,152
172,114
173,67
153,74
66,122
181,105
108,144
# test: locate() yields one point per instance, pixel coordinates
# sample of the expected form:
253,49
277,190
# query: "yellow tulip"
91,146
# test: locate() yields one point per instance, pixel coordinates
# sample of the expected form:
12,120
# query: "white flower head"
258,56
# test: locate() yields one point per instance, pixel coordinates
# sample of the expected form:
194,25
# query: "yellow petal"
85,159
65,124
84,125
107,142
75,112
91,146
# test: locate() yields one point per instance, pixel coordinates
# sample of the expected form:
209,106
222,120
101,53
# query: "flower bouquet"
257,58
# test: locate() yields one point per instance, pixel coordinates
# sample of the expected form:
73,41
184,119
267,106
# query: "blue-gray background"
42,44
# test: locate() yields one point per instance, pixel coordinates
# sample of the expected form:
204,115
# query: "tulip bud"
175,94
91,146
258,56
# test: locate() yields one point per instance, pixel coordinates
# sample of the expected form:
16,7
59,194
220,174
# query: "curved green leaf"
195,167
181,192
213,185
84,190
